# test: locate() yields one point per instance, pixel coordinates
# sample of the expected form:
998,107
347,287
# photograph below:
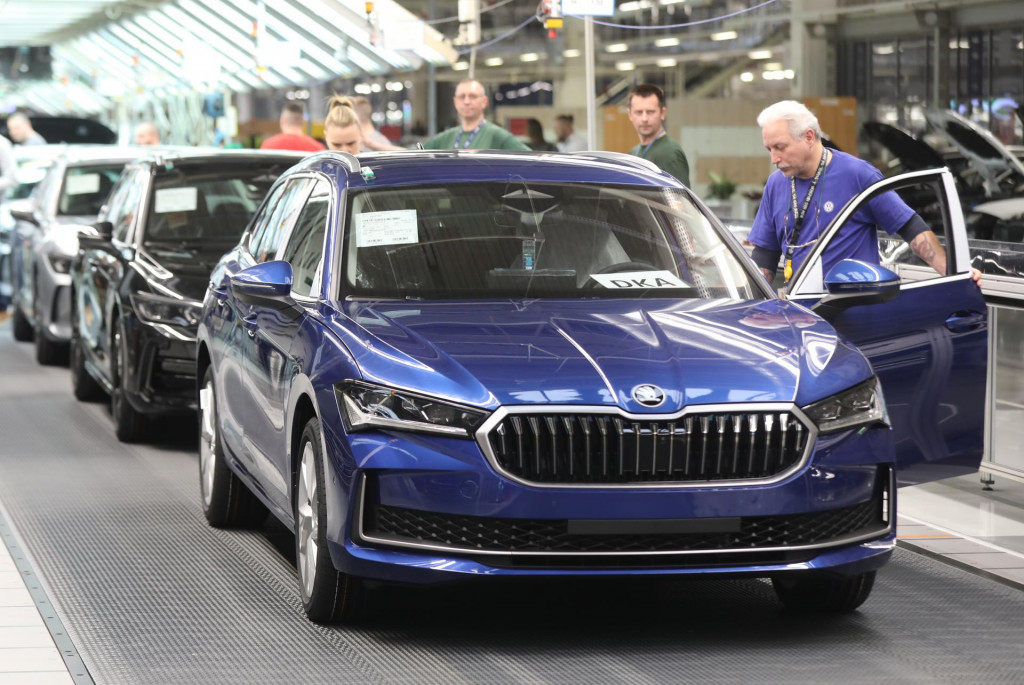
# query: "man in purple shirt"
811,186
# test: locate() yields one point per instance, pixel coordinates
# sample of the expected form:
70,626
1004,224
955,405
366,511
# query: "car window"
86,188
123,217
208,203
267,236
305,246
513,239
30,172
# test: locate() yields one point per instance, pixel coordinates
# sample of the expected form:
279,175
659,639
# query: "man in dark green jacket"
647,114
473,132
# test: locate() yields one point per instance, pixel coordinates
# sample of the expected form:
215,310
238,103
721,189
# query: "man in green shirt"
473,132
647,114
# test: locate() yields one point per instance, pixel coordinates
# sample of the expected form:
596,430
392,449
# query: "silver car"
45,240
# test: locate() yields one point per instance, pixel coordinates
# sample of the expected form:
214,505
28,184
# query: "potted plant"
720,188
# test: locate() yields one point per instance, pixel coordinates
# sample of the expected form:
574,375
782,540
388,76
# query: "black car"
138,287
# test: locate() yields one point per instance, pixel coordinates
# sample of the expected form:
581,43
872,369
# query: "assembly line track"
150,594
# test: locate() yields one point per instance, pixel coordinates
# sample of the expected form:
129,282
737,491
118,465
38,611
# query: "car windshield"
86,188
30,172
535,240
214,205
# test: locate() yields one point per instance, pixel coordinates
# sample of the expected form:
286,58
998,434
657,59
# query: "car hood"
913,154
183,267
972,140
595,352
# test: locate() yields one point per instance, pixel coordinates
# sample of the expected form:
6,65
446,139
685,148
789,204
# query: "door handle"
964,321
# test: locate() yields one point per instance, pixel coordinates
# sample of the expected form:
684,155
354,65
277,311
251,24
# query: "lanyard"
458,138
645,148
800,213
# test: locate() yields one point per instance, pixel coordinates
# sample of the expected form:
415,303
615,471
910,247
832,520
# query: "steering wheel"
619,268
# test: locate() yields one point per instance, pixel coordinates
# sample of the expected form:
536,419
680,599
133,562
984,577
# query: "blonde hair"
341,112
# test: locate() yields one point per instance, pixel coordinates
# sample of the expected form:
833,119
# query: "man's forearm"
927,246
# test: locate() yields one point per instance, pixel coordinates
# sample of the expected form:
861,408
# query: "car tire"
21,329
227,503
83,385
820,592
328,596
48,352
129,424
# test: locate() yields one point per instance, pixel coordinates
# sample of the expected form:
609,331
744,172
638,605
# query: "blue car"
438,365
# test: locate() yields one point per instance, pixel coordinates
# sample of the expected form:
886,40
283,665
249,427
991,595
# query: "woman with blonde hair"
342,130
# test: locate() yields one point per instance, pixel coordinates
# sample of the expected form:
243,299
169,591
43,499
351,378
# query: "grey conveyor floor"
149,593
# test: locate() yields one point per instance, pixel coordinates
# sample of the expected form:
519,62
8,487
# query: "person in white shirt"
568,139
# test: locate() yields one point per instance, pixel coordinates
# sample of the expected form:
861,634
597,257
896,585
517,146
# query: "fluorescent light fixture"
529,57
725,35
494,61
460,66
773,66
635,6
667,62
625,66
670,2
616,47
570,53
666,42
760,54
884,49
789,74
746,77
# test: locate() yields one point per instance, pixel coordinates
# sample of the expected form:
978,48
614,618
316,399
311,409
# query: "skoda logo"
648,395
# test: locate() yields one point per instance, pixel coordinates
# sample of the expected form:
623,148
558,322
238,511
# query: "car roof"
416,167
170,155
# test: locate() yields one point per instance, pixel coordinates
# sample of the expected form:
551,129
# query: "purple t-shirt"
844,177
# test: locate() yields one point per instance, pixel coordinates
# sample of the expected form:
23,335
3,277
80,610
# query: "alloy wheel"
308,524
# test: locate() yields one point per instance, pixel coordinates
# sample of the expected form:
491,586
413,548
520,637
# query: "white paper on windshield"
176,200
395,227
82,184
640,280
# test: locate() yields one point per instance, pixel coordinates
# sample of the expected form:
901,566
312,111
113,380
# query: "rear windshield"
214,205
535,240
86,188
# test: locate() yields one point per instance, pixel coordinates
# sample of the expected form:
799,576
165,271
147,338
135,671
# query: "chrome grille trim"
692,436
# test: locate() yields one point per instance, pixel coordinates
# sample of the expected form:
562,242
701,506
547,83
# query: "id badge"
788,272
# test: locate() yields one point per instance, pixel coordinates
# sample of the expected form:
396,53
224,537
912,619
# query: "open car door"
929,344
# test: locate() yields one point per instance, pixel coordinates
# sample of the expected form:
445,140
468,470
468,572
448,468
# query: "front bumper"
161,367
422,509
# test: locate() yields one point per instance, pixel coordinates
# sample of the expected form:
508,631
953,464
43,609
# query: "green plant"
720,188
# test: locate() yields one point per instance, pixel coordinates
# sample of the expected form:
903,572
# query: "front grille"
468,534
606,448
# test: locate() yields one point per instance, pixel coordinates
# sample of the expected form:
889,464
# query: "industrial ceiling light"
725,35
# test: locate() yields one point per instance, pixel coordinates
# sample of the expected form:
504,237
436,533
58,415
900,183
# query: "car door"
101,270
253,360
282,348
928,345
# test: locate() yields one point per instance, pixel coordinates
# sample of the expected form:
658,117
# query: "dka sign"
594,8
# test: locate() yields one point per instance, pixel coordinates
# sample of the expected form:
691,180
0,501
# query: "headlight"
59,263
373,406
860,405
159,309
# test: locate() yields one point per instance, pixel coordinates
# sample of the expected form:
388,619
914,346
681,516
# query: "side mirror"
24,209
267,285
853,282
104,230
97,237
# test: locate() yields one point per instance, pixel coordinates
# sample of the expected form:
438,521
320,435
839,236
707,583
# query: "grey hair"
798,117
